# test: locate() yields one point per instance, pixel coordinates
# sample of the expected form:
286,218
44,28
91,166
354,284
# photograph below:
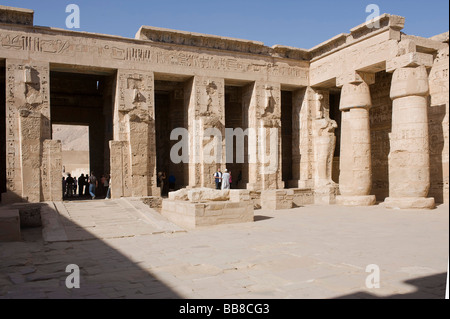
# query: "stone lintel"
413,59
13,15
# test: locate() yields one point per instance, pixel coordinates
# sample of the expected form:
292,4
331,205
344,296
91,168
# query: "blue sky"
297,23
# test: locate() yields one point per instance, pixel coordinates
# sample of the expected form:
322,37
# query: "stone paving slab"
100,219
308,252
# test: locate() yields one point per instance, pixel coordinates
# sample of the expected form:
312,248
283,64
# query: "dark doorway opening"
86,99
236,119
170,114
335,114
286,136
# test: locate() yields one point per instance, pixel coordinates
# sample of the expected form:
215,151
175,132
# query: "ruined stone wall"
380,127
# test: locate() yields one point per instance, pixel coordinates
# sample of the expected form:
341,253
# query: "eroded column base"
409,203
369,200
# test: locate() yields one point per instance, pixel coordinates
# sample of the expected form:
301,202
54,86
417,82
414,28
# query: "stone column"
133,160
355,180
27,127
264,122
409,158
205,99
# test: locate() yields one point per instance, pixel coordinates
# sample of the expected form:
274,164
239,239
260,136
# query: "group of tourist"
87,186
224,180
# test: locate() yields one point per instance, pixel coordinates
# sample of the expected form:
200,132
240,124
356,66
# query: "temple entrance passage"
84,100
75,158
170,114
236,121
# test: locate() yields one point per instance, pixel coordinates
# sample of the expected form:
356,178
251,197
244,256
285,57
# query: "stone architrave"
409,158
205,99
355,180
27,127
134,123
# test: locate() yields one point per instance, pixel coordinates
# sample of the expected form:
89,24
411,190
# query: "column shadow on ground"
429,287
34,269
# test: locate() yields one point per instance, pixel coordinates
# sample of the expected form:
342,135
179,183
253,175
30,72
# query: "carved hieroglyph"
28,126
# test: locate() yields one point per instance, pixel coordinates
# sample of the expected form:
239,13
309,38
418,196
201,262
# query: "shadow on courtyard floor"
429,287
33,269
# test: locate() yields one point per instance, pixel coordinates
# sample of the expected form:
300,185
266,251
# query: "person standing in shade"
226,180
69,182
81,185
172,181
75,185
64,184
108,194
239,179
93,184
218,179
86,185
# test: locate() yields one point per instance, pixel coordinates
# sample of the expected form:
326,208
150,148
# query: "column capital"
355,95
408,81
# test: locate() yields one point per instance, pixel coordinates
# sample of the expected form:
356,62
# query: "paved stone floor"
126,251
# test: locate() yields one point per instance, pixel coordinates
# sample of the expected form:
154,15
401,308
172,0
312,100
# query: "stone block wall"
192,215
277,199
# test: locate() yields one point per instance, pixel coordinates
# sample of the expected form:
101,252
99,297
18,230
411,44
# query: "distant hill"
73,138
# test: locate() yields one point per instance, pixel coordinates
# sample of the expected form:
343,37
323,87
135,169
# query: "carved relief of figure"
325,143
211,89
269,103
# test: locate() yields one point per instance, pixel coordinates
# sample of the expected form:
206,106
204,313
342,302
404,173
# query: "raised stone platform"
206,207
277,199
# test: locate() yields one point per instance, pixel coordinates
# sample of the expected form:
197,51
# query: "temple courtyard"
124,249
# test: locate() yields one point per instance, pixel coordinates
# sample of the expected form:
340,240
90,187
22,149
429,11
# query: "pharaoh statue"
324,143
